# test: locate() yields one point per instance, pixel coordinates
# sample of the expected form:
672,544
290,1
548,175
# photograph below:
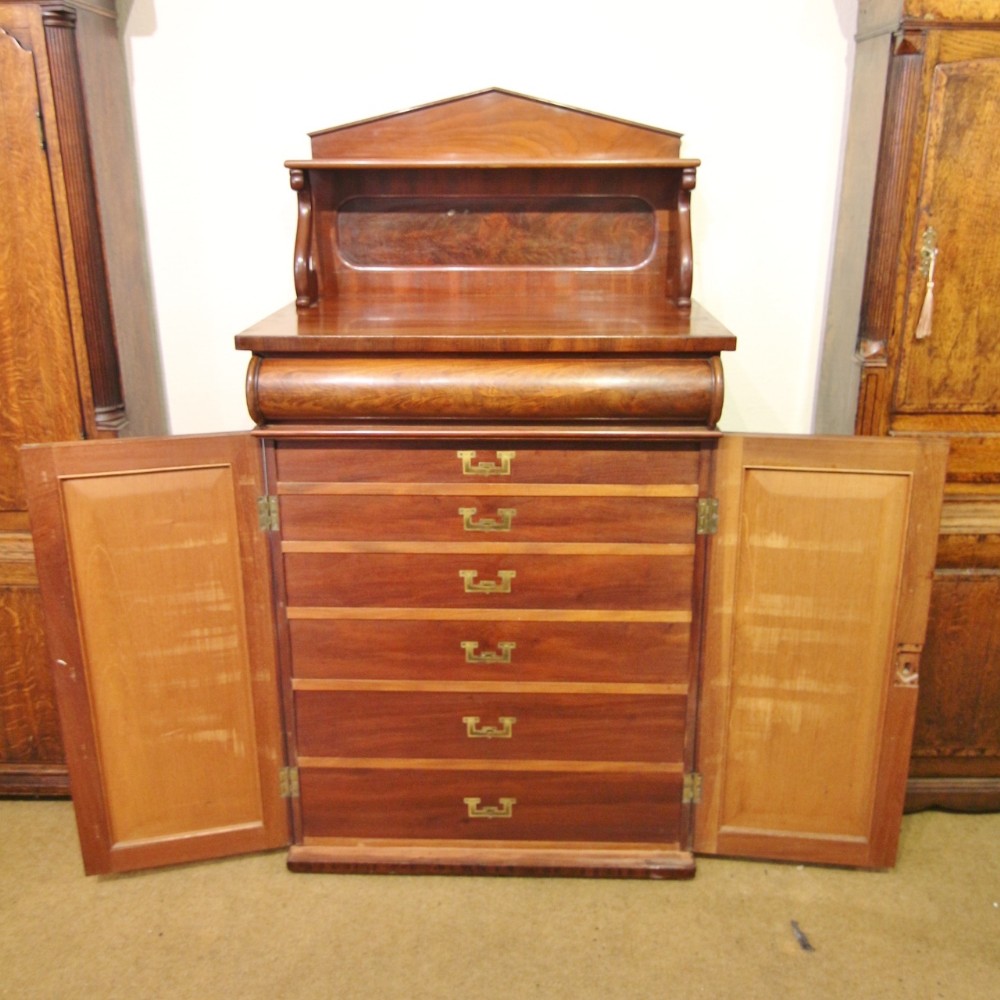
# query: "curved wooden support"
315,389
685,255
304,270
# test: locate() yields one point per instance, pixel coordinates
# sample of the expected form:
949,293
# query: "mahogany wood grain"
466,518
431,724
315,389
495,126
558,652
622,808
346,856
387,460
639,582
524,321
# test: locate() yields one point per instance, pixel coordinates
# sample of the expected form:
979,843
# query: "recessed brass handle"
475,731
501,585
472,468
504,810
502,654
502,522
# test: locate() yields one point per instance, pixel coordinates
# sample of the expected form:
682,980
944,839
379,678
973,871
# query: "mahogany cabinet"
486,590
922,192
76,331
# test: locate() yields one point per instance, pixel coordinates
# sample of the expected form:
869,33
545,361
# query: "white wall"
224,93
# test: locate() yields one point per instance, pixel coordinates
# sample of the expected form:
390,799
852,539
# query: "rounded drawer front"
489,725
316,388
622,652
471,518
496,581
415,804
482,467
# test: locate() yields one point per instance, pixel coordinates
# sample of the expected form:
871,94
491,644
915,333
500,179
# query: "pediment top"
496,126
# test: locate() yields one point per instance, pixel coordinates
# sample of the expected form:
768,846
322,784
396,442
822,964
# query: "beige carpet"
246,928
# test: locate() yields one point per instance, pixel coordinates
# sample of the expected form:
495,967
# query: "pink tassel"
927,309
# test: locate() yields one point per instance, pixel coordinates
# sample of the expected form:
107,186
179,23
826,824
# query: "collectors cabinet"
486,590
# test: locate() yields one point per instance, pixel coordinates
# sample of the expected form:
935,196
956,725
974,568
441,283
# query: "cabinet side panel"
122,220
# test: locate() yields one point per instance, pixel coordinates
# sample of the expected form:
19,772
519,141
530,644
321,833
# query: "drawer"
477,580
593,807
509,725
468,517
485,465
622,652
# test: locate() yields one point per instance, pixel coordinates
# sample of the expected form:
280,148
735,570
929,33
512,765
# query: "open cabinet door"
155,583
819,583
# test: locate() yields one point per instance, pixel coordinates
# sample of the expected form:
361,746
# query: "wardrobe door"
947,362
39,391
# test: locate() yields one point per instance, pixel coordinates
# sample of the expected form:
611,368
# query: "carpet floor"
247,928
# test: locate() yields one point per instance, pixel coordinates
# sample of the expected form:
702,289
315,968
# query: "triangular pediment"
492,126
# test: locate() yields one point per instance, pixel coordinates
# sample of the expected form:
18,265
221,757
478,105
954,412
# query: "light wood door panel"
955,367
155,580
38,383
818,595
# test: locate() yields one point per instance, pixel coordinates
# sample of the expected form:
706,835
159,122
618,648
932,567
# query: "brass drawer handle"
505,810
475,731
472,468
502,654
498,586
502,522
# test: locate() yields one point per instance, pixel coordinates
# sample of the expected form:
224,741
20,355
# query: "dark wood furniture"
531,613
929,344
76,331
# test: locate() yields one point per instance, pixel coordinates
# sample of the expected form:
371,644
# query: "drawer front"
485,465
610,652
478,581
416,804
471,518
509,725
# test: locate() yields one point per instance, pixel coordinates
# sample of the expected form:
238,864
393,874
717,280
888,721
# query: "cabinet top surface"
489,324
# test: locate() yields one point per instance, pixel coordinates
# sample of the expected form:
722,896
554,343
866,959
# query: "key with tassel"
928,258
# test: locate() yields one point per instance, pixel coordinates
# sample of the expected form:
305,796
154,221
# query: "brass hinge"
708,515
288,782
267,513
692,789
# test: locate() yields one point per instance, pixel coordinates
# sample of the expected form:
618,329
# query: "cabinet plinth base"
34,781
365,859
956,794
